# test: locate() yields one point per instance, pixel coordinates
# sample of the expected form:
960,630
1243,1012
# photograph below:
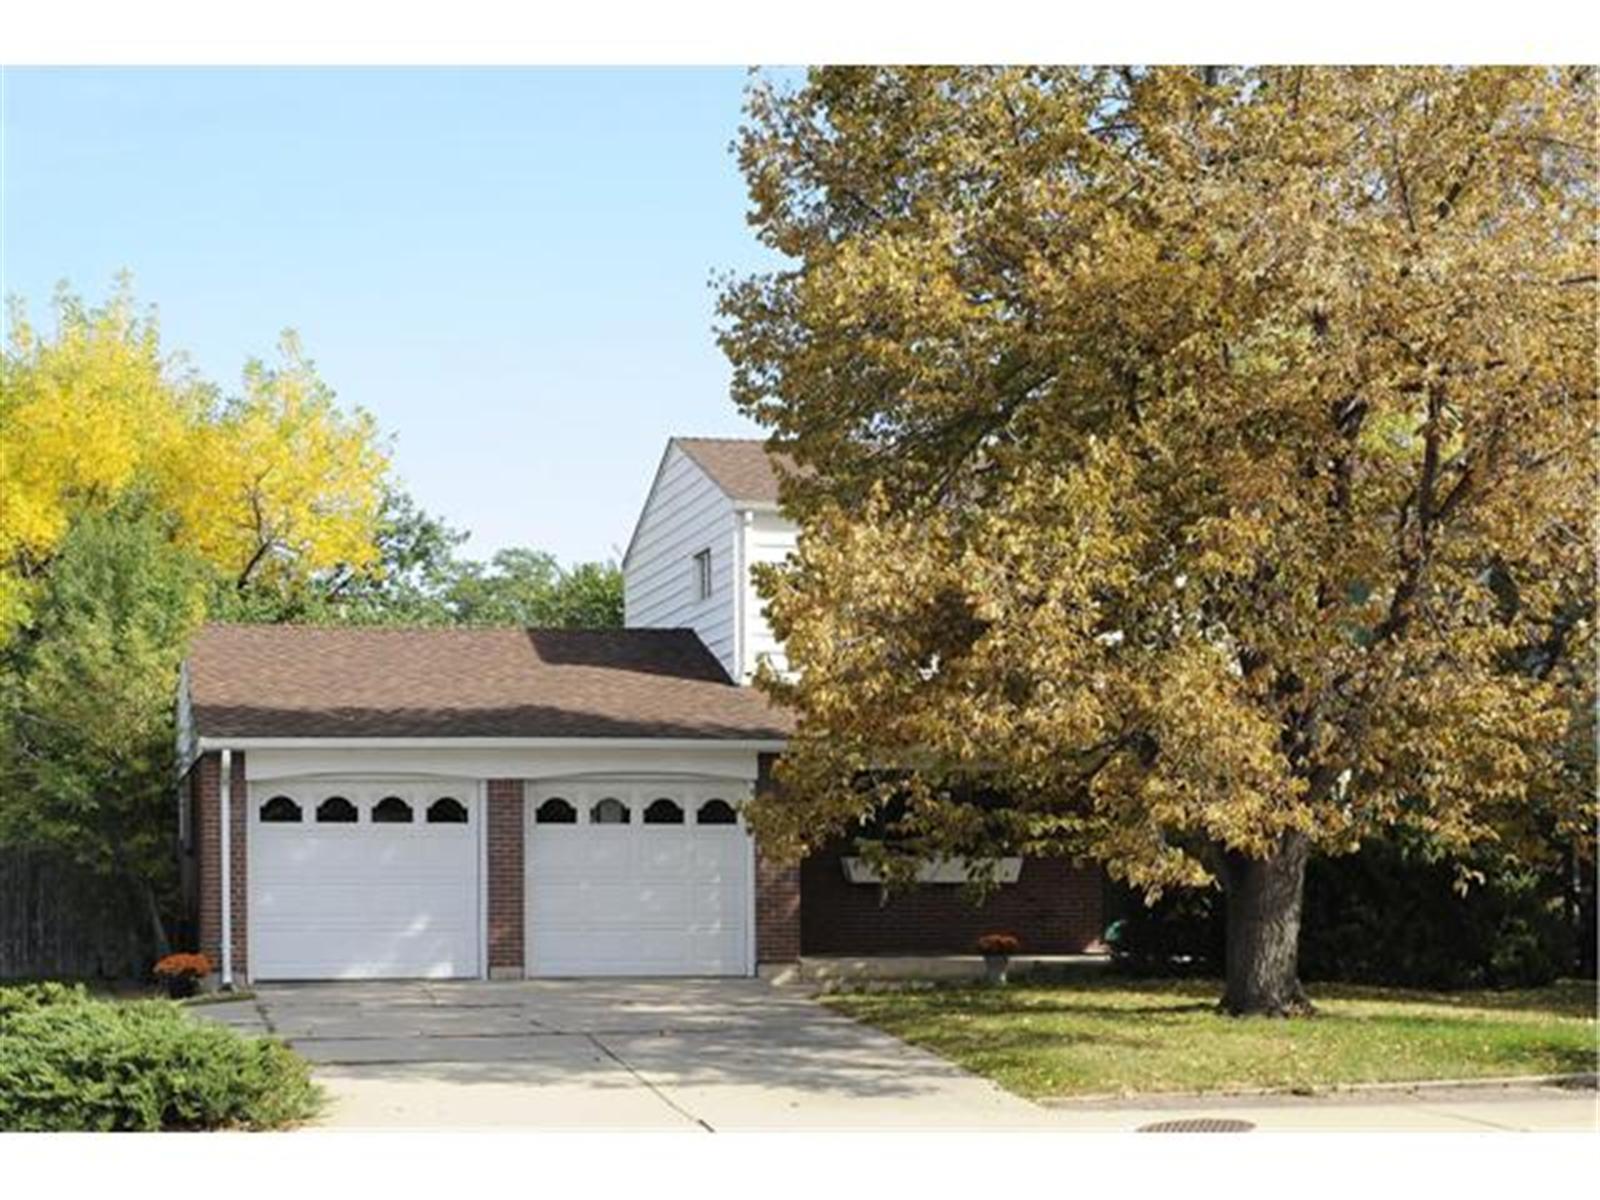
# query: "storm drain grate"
1199,1125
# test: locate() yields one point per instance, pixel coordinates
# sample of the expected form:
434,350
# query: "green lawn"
1120,1035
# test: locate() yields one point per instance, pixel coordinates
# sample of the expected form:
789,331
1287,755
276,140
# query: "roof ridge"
349,627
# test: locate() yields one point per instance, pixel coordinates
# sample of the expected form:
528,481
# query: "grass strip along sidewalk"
1129,1036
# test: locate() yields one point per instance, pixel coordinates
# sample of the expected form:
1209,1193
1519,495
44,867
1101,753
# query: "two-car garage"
460,803
386,878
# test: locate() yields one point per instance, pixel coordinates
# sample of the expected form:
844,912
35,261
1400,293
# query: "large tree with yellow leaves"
1203,457
270,486
133,496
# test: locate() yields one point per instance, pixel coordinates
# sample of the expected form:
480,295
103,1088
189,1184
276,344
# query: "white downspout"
226,792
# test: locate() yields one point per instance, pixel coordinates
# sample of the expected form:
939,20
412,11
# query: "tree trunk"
152,912
1264,896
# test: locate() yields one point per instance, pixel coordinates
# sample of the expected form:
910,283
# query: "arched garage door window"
663,812
716,812
555,811
609,811
280,810
391,810
447,810
336,810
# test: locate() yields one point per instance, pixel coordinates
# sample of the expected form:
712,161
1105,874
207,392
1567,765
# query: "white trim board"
278,761
763,745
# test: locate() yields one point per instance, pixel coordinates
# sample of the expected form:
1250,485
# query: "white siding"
768,538
684,514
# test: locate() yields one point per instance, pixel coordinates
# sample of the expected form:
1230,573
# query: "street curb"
1583,1079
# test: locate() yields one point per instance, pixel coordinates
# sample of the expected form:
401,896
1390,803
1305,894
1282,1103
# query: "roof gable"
742,467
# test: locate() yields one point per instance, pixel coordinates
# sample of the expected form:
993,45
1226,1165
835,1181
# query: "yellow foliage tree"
277,482
1204,457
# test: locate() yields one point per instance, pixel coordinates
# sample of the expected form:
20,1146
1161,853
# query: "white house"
710,515
448,803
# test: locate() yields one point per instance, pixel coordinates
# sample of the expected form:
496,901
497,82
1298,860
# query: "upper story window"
702,574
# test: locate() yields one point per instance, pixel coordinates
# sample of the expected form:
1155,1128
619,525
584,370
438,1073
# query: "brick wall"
777,911
205,784
1054,907
505,876
777,894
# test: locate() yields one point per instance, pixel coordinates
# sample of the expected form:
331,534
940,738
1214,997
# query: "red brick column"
506,844
777,911
205,782
777,894
239,869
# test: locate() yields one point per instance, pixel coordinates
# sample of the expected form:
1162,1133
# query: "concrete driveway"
613,1054
737,1054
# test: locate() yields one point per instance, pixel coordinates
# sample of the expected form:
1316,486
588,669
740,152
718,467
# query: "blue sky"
509,268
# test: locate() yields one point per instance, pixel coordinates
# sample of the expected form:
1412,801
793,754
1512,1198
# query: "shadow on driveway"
617,1053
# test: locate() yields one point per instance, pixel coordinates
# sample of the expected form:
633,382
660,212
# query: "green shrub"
70,1062
1181,934
28,996
1386,915
1391,915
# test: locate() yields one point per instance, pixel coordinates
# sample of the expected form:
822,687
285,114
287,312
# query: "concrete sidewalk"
1456,1109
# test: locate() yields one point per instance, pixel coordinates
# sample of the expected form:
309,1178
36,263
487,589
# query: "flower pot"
995,967
180,987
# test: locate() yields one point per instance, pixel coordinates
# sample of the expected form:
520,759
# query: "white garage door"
637,879
363,880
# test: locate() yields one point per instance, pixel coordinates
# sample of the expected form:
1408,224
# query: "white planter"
941,870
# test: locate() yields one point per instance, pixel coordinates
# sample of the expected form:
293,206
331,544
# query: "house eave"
655,482
756,745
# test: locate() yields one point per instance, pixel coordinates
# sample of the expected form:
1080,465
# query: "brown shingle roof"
307,682
741,467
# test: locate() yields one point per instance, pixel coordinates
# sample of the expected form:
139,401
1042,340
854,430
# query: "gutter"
757,745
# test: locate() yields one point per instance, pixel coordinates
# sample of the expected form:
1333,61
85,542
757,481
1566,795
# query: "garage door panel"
637,899
589,902
367,900
666,854
329,959
720,851
585,857
670,903
715,901
351,905
595,951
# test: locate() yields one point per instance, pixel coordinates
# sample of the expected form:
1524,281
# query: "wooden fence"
58,921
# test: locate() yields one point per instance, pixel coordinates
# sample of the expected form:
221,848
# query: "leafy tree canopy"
1204,455
135,502
274,484
86,729
420,578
